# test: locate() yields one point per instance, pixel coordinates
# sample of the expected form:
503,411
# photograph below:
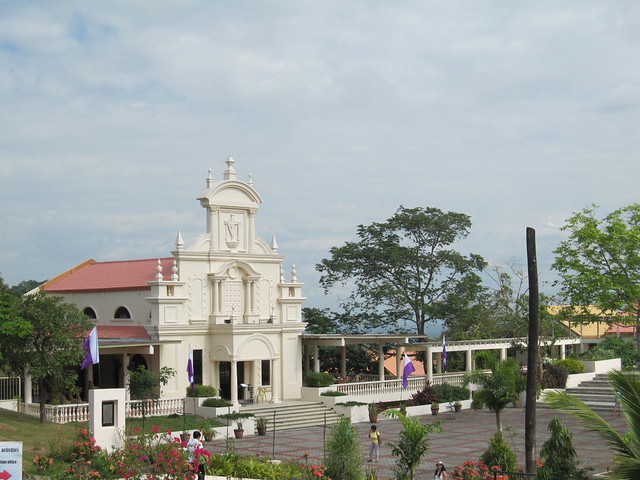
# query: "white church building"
225,297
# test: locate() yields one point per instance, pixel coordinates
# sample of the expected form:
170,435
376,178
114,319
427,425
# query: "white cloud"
516,114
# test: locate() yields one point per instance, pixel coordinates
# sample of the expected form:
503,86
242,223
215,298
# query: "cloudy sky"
515,113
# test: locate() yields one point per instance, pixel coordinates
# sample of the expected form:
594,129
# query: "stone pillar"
125,380
252,231
234,382
438,362
563,351
503,354
469,360
276,380
28,388
343,362
316,358
399,362
429,364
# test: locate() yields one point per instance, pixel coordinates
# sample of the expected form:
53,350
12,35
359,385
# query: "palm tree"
627,446
500,387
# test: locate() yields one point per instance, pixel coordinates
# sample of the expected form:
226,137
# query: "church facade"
225,299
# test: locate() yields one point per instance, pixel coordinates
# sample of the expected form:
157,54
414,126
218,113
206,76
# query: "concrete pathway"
465,436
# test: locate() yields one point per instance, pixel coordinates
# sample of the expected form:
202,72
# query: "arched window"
122,312
90,313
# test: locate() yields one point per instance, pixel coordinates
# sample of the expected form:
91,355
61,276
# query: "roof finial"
209,179
251,179
294,278
159,270
174,271
179,241
230,173
274,244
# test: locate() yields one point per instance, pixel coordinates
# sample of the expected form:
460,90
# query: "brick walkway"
465,436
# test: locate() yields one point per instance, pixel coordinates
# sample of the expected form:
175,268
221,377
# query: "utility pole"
532,358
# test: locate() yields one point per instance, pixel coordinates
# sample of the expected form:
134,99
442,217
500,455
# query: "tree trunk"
532,355
498,422
638,339
43,400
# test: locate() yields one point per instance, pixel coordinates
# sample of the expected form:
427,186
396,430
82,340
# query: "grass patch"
36,438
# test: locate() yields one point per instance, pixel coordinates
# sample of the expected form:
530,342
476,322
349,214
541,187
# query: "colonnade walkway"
465,436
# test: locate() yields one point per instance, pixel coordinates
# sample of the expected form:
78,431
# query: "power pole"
532,358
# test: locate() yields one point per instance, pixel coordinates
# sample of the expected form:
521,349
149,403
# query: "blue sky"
515,113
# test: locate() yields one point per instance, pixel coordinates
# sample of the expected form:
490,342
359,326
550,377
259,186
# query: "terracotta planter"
457,408
497,477
208,437
185,437
435,410
262,431
373,418
238,432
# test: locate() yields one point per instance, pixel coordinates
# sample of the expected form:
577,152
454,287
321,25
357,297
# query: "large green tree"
599,264
404,270
44,335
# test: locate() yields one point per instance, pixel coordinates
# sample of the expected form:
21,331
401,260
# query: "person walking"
441,472
374,449
193,447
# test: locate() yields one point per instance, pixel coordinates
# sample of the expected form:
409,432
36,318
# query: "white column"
316,358
247,293
429,364
563,352
125,380
503,354
234,382
439,362
381,361
276,380
469,358
28,387
216,295
399,362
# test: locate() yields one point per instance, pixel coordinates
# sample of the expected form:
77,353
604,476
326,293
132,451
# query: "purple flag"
444,354
190,369
91,346
406,371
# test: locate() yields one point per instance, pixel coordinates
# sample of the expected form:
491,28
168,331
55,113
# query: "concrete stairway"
596,393
290,415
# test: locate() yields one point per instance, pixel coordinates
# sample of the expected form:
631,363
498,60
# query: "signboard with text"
10,460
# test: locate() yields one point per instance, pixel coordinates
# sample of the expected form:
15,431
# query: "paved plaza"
465,436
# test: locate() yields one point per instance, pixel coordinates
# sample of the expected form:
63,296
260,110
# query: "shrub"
333,393
571,365
318,379
613,347
499,454
559,455
344,460
554,376
216,402
445,393
425,396
202,391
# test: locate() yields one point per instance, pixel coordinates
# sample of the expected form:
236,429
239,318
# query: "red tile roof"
122,331
620,328
94,276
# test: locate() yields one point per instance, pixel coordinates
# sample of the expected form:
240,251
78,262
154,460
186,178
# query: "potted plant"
261,425
185,437
435,408
457,406
238,417
373,412
207,432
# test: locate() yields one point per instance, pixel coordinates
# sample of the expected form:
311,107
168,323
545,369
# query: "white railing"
79,412
394,385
